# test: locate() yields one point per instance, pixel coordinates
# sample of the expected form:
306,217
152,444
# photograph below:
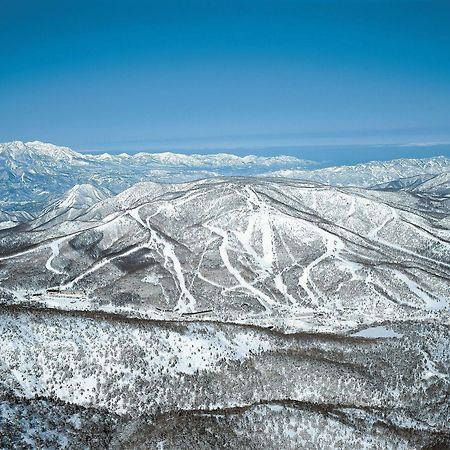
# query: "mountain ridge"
246,226
371,173
32,177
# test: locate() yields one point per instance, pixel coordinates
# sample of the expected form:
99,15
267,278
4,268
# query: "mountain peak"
36,149
82,196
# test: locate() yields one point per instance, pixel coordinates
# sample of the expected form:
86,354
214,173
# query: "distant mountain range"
370,174
35,174
432,184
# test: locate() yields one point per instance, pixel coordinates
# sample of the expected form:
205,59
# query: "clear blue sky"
258,76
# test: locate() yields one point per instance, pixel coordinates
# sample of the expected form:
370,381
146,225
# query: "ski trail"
134,213
430,369
245,239
54,246
431,302
269,257
333,245
200,261
103,263
76,233
213,283
15,255
169,254
281,286
265,222
188,196
426,233
267,240
373,234
263,299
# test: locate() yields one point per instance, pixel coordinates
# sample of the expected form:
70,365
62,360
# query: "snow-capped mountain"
34,174
72,204
369,174
167,232
32,154
437,185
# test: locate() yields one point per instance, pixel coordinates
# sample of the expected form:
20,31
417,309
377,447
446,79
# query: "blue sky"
349,80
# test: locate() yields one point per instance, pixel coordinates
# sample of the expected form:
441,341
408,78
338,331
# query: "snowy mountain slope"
34,174
194,384
12,218
431,184
71,205
246,249
369,174
253,312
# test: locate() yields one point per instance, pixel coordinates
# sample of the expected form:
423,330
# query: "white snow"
54,246
378,331
263,298
431,302
153,278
